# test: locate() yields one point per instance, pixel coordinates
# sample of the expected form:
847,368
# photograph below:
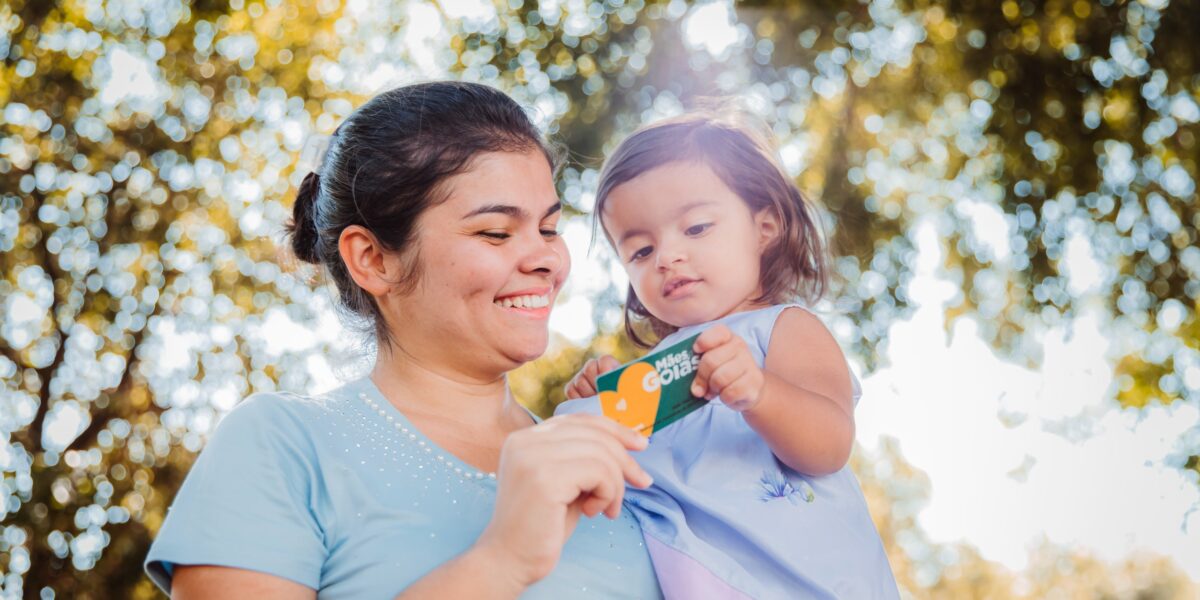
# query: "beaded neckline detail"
412,436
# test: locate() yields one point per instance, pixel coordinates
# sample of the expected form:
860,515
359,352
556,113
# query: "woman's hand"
583,384
550,474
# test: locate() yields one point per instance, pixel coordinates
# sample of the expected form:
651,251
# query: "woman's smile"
528,303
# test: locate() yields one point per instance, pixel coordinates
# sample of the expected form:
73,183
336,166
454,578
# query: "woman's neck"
427,391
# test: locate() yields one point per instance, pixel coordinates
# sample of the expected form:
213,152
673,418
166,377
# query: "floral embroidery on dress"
776,485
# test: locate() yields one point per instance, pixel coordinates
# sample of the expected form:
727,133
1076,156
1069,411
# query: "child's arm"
801,403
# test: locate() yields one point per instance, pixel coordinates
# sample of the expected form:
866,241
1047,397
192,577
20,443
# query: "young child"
752,496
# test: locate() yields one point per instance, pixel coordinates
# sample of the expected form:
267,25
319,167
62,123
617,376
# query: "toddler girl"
751,496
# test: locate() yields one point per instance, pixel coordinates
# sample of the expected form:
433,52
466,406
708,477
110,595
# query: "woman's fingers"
608,490
583,435
629,439
568,439
588,473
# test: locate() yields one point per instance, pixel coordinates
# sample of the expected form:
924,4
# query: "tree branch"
46,373
100,420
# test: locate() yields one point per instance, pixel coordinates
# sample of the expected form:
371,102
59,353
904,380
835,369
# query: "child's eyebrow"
515,212
682,210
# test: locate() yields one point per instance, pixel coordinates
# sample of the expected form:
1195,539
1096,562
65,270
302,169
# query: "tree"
147,161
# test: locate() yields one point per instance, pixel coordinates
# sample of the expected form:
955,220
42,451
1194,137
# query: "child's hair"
794,266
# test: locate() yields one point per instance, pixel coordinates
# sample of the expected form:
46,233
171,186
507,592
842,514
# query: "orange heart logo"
635,403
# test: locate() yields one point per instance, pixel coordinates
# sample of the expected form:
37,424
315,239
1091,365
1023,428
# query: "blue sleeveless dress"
726,519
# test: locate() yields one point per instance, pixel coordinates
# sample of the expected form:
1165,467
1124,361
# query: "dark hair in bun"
383,169
303,227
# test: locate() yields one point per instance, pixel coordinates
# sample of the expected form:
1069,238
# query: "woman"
434,212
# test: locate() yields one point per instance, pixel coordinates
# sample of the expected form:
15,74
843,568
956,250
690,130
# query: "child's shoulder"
799,337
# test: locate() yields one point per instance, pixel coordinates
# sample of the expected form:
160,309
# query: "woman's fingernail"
697,390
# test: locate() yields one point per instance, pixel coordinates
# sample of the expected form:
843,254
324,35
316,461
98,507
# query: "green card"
653,391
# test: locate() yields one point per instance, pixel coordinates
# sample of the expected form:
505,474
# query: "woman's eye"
641,253
550,233
495,235
698,229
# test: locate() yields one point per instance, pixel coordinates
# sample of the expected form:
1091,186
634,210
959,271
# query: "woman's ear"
768,224
371,266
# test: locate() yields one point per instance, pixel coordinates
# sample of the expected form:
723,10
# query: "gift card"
653,391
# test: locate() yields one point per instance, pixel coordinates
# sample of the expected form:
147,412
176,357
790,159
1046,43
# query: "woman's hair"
386,164
793,266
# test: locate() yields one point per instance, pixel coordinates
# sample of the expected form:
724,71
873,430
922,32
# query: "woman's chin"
527,351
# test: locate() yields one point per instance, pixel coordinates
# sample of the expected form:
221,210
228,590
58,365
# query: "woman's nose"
547,256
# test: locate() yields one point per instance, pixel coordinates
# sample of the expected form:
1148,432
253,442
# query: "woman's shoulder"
283,416
274,404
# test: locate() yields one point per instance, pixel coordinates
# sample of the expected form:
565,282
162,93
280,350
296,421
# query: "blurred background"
1009,190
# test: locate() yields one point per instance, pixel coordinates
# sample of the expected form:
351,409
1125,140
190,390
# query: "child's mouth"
678,286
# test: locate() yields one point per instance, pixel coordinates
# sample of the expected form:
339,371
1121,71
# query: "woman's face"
490,265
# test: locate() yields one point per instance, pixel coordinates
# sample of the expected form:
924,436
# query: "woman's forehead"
507,184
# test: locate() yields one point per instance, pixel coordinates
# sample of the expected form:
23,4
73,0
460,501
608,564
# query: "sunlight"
711,26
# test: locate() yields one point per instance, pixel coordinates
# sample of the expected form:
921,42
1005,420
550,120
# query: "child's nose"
668,256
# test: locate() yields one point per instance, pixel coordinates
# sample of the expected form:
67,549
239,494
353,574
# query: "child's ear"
767,222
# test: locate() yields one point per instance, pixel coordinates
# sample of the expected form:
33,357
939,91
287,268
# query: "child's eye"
549,233
698,229
641,253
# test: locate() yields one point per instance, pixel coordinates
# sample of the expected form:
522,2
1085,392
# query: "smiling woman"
434,213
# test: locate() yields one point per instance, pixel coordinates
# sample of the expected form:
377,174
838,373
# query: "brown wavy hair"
741,155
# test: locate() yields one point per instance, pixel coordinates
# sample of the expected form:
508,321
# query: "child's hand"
583,384
726,369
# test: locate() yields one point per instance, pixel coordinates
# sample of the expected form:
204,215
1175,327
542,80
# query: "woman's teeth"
524,302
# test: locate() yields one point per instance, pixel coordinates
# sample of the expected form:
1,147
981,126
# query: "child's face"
691,246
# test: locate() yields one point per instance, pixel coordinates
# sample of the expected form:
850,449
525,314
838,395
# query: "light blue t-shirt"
340,493
726,519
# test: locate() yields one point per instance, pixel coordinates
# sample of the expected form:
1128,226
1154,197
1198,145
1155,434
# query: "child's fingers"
572,390
606,363
738,385
711,338
723,377
584,382
584,387
708,363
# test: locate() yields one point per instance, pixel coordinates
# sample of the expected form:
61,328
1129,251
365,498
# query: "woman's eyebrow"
515,212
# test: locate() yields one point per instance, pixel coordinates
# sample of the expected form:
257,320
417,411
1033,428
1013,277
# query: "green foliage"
147,162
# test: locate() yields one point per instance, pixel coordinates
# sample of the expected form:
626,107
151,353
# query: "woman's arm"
549,475
210,581
801,403
474,574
